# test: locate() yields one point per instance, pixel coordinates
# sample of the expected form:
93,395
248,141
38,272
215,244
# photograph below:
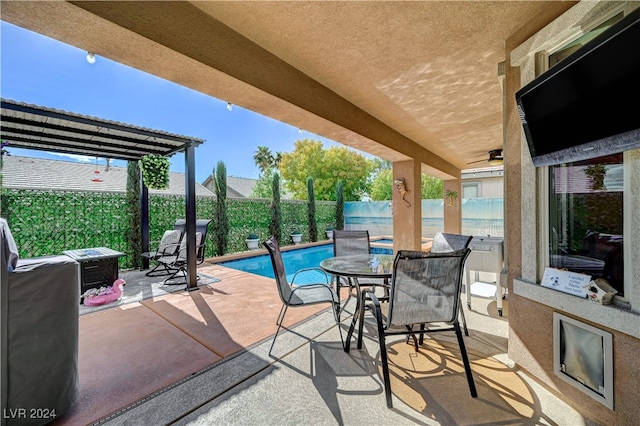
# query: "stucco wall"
532,306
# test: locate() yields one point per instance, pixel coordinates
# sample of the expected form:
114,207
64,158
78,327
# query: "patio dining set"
420,291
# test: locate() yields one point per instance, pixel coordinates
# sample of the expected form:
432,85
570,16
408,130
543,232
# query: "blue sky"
42,71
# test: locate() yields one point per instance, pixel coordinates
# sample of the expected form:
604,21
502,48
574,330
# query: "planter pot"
296,238
330,235
252,244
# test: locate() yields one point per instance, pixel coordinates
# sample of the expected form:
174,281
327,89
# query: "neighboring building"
486,182
37,173
239,187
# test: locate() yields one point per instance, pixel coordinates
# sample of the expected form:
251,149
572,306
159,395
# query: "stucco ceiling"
395,79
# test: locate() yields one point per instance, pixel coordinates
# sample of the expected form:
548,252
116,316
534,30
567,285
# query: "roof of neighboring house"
242,186
39,173
238,187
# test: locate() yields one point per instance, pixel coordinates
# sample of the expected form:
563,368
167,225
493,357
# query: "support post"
190,215
144,220
407,205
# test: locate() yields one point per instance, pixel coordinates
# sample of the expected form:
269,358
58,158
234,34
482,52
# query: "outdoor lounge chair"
294,296
177,263
167,246
425,289
444,243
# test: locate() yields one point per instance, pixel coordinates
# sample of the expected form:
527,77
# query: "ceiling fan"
495,158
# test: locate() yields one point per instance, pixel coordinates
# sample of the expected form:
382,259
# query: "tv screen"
586,106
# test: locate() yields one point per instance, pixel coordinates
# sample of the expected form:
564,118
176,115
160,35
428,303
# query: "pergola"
47,129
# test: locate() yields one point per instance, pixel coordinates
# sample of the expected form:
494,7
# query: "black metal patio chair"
350,242
167,246
425,289
444,243
293,295
177,263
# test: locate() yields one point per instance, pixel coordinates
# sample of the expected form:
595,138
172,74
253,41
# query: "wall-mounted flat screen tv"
587,105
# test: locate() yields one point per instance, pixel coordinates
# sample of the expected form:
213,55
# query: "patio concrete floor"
201,358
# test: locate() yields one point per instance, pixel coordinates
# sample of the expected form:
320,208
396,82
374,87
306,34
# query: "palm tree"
263,158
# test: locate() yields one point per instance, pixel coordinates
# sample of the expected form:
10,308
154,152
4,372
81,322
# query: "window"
586,218
471,190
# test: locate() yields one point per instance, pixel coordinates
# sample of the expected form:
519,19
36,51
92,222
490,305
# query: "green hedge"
48,222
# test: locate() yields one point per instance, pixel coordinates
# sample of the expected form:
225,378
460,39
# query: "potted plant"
451,196
329,232
155,171
252,241
296,237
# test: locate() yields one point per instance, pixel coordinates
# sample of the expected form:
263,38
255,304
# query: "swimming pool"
294,260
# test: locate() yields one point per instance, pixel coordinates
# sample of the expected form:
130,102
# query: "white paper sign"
565,281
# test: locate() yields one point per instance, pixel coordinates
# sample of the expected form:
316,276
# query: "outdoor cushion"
169,242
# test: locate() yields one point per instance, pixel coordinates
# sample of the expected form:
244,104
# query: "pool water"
294,260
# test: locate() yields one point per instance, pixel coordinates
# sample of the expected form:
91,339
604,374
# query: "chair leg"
336,315
159,273
281,319
465,361
464,321
352,327
377,313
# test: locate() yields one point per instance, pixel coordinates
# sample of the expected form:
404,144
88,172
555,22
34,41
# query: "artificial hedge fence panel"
49,222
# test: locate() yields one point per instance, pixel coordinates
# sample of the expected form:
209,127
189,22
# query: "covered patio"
429,86
195,360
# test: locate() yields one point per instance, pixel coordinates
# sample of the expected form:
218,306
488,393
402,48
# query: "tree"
268,164
339,206
382,187
134,236
326,167
263,158
311,211
221,224
276,215
264,185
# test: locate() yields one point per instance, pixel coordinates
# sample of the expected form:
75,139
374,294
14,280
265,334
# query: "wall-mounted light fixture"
91,58
229,106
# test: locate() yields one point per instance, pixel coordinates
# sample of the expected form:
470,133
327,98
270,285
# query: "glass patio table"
355,267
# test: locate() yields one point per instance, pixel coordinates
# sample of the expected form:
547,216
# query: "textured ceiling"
396,79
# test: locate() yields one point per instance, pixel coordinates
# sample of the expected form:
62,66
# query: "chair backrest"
182,254
284,289
426,287
350,242
180,225
169,242
443,242
202,226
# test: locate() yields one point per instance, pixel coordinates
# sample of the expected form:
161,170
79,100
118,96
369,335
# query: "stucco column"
407,206
453,207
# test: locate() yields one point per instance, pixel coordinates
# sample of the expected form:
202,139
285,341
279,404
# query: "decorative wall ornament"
450,196
402,189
